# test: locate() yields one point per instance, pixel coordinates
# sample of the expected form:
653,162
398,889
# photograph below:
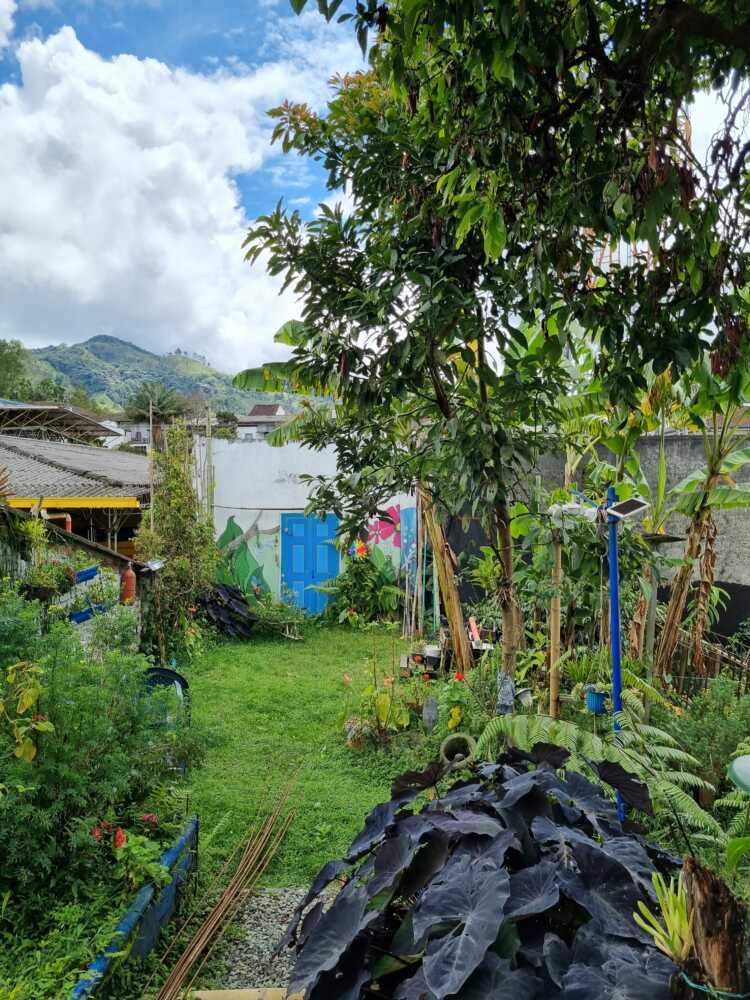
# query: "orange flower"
347,680
388,682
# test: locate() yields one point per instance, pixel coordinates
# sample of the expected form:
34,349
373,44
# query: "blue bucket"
596,701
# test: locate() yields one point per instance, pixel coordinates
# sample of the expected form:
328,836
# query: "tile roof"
55,469
268,410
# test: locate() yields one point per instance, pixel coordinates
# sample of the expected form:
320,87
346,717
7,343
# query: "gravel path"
259,927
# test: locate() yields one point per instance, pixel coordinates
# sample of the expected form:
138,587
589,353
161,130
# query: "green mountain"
110,370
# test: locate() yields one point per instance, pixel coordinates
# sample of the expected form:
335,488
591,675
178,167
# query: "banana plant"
713,403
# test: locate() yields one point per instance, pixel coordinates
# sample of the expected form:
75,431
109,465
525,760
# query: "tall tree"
154,401
404,328
14,369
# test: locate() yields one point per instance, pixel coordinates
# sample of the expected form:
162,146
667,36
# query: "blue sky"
138,152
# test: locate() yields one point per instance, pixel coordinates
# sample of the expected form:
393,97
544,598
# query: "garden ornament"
506,693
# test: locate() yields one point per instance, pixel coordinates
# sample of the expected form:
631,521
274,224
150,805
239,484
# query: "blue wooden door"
308,557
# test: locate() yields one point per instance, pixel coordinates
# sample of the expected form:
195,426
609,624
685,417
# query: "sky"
135,153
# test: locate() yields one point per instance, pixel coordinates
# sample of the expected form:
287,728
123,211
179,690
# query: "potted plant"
596,698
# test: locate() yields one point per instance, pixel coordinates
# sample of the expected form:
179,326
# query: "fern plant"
652,754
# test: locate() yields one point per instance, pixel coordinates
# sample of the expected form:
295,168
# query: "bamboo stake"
255,858
554,629
448,588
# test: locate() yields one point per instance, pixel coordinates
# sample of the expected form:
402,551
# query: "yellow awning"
76,503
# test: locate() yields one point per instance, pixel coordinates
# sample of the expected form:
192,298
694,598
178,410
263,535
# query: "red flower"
96,832
426,677
38,717
121,838
458,676
150,818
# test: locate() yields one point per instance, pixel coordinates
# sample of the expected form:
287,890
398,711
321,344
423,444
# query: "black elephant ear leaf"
533,890
376,824
494,979
335,932
588,798
470,897
556,956
392,858
608,896
325,876
418,780
633,791
345,982
429,859
619,978
414,988
548,753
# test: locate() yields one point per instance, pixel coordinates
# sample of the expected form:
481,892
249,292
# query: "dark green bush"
366,590
113,743
712,726
20,623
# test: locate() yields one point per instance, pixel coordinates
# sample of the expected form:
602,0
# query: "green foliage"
182,537
105,746
20,623
712,725
673,934
14,365
366,590
647,751
153,398
117,628
376,712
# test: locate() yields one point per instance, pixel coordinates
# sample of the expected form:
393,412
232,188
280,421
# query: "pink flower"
383,528
96,832
151,819
121,838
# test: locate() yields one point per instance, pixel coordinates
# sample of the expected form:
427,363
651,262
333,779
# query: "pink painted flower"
382,528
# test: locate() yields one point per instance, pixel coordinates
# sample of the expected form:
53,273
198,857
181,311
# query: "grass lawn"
271,707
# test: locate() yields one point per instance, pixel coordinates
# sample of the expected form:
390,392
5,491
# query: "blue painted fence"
139,929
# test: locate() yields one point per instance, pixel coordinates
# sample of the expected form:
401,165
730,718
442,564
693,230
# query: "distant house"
262,419
101,491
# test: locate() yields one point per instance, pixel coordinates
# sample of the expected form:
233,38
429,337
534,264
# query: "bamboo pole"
418,590
554,628
448,588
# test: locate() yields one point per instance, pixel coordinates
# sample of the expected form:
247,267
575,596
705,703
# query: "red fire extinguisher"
127,585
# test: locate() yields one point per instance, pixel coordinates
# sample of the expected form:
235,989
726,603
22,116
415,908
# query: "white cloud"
7,13
118,213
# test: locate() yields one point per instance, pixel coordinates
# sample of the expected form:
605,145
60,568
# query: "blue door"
308,557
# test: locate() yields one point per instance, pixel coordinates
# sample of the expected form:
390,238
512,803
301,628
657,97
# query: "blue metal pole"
614,622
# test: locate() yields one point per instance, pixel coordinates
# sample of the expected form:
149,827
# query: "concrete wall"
254,484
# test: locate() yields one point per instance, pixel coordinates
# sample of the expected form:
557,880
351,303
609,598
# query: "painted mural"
251,544
251,555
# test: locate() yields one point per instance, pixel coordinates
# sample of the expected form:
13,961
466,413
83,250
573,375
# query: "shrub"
117,629
110,746
712,725
514,883
20,623
366,590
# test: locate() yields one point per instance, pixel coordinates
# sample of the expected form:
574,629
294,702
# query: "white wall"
251,475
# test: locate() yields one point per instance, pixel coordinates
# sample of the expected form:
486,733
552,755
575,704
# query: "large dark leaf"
334,933
585,796
494,979
607,894
556,958
325,876
619,979
523,784
533,890
376,824
345,982
429,859
468,895
419,780
633,791
457,823
392,858
414,988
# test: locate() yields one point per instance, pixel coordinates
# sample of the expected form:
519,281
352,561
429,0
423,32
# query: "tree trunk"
554,629
507,595
678,597
718,922
462,651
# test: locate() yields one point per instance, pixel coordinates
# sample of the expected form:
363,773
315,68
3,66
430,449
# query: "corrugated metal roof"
55,469
267,410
